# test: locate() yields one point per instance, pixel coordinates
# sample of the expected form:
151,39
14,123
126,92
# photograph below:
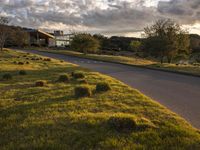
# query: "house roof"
47,34
41,32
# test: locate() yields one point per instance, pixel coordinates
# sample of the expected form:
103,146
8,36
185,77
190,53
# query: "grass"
51,117
136,61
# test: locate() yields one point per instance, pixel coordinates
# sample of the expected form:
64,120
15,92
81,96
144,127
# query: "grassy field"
51,117
191,69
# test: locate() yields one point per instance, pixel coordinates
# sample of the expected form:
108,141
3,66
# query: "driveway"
179,93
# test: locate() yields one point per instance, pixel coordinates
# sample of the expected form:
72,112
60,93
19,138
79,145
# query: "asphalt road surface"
179,93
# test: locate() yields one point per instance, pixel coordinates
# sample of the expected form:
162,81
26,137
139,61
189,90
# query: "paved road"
179,93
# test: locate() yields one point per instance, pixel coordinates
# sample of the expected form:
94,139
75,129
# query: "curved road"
179,93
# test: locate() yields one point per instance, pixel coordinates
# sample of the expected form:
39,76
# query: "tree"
165,38
135,46
4,31
102,40
85,43
20,37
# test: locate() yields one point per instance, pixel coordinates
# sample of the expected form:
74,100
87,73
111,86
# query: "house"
40,38
61,39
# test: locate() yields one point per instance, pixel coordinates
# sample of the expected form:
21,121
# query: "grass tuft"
82,91
103,87
122,123
40,83
22,72
7,76
78,75
64,78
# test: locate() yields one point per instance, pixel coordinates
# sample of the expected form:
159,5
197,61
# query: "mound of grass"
7,76
103,87
122,123
82,91
47,59
78,75
22,72
64,78
20,63
40,83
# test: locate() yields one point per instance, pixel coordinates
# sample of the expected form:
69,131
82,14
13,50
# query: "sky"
108,17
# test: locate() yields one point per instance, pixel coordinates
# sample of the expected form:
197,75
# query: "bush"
122,123
78,75
82,91
63,78
7,76
22,72
40,83
103,87
27,62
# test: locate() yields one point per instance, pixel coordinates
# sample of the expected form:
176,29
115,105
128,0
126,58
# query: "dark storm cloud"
185,11
106,16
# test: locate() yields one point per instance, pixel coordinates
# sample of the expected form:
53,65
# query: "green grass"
51,117
136,61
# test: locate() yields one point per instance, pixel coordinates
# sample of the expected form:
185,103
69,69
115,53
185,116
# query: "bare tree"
4,31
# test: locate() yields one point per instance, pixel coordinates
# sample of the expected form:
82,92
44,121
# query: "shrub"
27,62
83,81
122,123
78,75
102,87
20,63
22,72
83,91
40,83
85,43
7,76
63,78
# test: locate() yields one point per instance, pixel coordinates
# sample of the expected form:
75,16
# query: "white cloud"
103,16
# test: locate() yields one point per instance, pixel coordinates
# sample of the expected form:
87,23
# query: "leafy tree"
4,31
195,42
165,38
102,40
135,46
85,43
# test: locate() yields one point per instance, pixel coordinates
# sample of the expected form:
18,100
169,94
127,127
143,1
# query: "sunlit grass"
136,61
51,117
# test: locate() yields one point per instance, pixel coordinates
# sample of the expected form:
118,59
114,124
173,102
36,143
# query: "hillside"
51,117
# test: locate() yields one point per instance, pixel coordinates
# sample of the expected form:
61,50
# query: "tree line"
11,35
165,39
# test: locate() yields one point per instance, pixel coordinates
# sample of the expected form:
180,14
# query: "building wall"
52,42
63,40
61,43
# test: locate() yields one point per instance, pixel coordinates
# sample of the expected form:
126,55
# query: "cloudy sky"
109,17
